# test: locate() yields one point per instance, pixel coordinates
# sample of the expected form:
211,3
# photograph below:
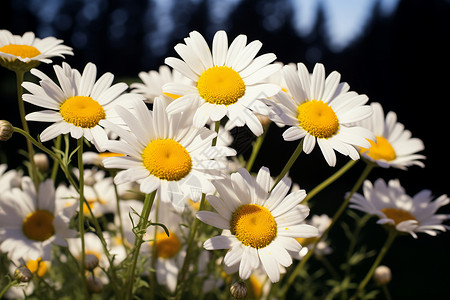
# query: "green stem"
390,239
33,169
142,226
81,210
6,288
256,147
184,269
216,129
290,162
386,293
55,162
336,216
329,180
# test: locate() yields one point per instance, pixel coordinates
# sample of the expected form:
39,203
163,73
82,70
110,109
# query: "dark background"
399,59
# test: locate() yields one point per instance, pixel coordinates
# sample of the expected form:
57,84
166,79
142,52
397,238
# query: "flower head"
28,230
228,81
166,153
395,208
27,51
259,226
322,110
79,106
394,146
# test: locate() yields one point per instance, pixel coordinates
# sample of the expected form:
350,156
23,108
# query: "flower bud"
94,284
238,290
382,275
90,262
23,274
6,130
41,161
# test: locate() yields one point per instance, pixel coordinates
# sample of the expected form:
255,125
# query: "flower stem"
216,129
256,147
33,169
336,216
290,162
390,239
329,180
184,269
142,226
6,288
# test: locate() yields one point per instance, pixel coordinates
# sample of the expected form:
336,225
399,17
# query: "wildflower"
6,130
22,53
395,208
259,226
227,81
322,110
79,106
166,153
382,275
393,146
28,229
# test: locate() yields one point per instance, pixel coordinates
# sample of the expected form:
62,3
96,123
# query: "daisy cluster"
160,186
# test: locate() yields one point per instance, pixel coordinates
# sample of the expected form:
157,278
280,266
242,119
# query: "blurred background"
395,51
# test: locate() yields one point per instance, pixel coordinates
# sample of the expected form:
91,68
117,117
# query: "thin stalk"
184,269
290,162
33,169
6,288
142,226
329,180
55,162
216,129
336,216
256,147
390,239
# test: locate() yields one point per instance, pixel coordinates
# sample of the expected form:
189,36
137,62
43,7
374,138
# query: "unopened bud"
238,290
90,262
23,274
6,130
41,161
94,284
382,275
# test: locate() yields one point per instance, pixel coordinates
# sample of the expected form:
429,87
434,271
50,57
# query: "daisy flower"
227,81
153,82
28,230
79,106
259,227
166,153
27,51
322,110
394,207
93,246
393,146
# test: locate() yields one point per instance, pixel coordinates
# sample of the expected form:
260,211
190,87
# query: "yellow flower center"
82,111
306,241
110,154
381,149
37,266
253,225
221,85
318,119
398,215
38,225
167,159
22,51
167,246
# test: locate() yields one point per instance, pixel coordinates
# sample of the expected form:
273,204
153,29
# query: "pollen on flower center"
167,159
221,85
398,215
23,51
318,119
37,266
381,149
82,111
253,225
38,225
167,246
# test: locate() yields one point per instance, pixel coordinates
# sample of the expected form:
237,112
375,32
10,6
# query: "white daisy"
93,246
394,207
80,105
166,153
27,51
9,179
29,230
259,226
153,82
227,81
321,222
322,110
394,146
